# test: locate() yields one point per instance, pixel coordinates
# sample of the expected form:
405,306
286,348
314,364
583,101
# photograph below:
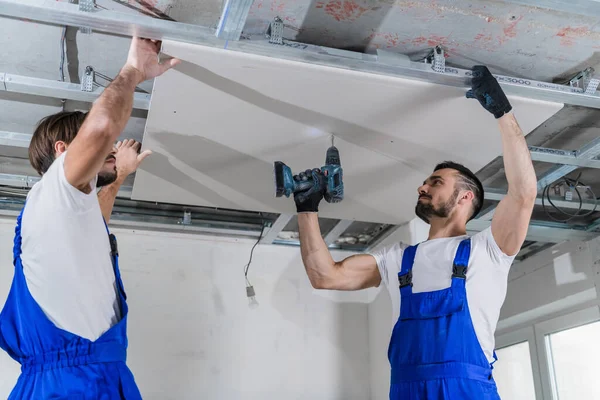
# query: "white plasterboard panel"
219,120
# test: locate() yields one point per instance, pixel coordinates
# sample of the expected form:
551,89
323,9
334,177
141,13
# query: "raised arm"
513,214
109,115
353,273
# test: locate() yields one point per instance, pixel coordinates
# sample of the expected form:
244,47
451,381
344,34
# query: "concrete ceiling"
511,39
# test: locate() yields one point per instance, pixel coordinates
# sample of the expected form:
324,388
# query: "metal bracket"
582,79
275,31
187,218
87,82
439,60
86,6
592,86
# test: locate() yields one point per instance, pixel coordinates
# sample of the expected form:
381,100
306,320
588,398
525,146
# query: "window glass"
574,356
513,373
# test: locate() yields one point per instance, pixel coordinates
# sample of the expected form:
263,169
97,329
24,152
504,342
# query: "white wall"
559,280
193,336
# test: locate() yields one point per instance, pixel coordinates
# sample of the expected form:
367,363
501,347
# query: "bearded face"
437,195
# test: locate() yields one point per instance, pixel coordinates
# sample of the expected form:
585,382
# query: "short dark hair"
62,126
468,181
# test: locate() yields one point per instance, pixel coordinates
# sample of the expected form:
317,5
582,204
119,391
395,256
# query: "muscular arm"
101,129
110,114
511,219
353,273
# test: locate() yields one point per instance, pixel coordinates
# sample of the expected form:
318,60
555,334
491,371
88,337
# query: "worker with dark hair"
448,290
65,318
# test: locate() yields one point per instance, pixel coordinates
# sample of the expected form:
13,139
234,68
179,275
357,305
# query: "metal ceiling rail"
566,157
59,90
279,224
26,181
587,152
111,22
233,19
160,224
539,232
15,139
497,195
336,231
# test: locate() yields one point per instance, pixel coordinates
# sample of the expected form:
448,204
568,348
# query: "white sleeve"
496,255
388,261
61,195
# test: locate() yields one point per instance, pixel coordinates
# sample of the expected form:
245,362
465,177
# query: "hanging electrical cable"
571,184
250,293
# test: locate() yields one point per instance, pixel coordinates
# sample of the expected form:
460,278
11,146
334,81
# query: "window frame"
526,334
543,329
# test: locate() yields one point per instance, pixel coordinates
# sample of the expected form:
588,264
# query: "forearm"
116,102
107,196
105,122
520,174
320,266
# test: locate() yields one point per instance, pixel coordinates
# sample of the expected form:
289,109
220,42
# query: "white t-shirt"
66,255
487,277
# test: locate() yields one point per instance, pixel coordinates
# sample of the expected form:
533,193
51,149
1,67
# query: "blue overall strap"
114,256
461,262
405,274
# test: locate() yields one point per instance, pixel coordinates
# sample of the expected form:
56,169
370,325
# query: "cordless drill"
333,190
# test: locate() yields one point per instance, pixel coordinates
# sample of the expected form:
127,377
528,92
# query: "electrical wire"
63,39
572,183
247,266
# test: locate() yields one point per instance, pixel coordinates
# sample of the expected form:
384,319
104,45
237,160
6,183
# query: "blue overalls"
434,352
56,364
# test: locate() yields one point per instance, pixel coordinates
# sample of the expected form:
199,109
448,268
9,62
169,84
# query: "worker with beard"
448,290
65,318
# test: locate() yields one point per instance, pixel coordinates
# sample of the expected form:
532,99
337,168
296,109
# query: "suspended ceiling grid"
548,32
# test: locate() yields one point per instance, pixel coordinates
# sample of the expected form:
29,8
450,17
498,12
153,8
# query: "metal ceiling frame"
274,230
566,157
588,152
26,181
233,19
111,22
586,205
540,232
15,139
60,90
230,26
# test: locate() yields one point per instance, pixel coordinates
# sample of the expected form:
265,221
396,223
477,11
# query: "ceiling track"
203,220
111,22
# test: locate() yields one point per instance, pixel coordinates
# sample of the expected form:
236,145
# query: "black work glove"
308,200
486,89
